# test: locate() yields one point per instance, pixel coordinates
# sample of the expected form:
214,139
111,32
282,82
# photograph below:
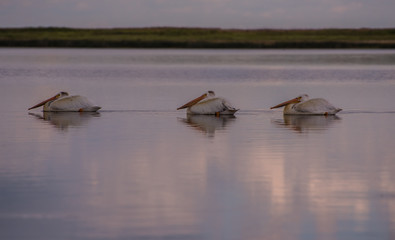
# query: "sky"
227,14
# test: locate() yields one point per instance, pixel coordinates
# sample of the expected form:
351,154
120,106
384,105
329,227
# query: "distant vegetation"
196,38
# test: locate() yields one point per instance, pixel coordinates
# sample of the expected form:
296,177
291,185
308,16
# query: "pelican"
208,104
303,106
62,102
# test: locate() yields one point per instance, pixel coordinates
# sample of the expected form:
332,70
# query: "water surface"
139,169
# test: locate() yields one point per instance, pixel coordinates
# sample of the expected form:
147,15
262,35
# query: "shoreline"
198,38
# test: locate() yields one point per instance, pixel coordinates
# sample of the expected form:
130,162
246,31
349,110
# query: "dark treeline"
196,38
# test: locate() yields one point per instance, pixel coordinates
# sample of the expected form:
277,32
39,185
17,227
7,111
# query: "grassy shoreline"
168,37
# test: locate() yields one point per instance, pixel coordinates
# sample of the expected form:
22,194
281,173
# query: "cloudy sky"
199,13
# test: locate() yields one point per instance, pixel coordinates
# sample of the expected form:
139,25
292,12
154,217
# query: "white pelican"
62,102
303,106
208,104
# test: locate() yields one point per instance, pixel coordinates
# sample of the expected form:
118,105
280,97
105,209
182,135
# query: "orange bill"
295,100
193,102
43,102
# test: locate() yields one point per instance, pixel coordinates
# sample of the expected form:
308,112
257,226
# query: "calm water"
139,169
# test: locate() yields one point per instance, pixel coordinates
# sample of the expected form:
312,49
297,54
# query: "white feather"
312,106
71,104
212,106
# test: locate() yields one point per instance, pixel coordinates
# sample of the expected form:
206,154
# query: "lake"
140,169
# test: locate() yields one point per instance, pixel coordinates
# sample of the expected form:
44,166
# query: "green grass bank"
167,37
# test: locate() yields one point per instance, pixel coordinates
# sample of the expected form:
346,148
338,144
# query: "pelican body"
302,105
208,104
62,102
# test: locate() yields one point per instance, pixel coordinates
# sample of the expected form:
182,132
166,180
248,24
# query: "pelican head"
211,93
198,99
301,98
57,96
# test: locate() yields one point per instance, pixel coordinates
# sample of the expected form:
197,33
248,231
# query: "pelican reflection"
208,124
304,123
64,120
